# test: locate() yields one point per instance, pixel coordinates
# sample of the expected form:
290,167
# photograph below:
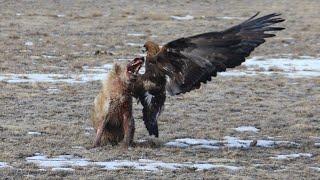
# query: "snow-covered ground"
231,18
4,165
228,141
304,66
291,156
35,133
246,129
182,18
66,162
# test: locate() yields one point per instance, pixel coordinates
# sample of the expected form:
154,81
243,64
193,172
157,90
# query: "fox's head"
129,71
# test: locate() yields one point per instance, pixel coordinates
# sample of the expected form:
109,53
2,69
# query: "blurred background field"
259,121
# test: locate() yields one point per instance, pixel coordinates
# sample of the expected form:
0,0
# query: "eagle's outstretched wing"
190,61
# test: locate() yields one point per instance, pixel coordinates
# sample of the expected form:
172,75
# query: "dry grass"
286,109
281,108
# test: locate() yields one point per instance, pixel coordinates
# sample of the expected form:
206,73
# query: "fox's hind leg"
100,130
128,128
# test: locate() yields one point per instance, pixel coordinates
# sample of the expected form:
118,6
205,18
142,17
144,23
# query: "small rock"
253,143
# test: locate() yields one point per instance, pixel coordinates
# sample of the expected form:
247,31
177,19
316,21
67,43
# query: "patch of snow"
291,156
100,45
315,137
77,147
34,133
140,35
60,15
176,144
305,66
141,54
51,78
103,69
117,47
213,166
306,57
285,64
141,141
123,59
4,165
107,66
315,168
317,144
134,44
49,56
151,165
190,141
237,73
64,162
230,142
57,162
246,129
204,146
62,169
234,142
289,143
267,143
231,17
182,18
35,57
136,34
28,43
53,90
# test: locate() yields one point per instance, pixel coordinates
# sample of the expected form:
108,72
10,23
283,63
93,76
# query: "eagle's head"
151,48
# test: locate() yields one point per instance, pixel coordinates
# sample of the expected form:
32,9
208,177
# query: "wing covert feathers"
190,61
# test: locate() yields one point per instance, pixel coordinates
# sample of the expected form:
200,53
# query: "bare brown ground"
287,109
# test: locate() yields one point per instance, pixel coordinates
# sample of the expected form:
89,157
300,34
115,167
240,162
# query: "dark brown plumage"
183,64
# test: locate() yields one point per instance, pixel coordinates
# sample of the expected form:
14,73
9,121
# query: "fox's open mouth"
134,66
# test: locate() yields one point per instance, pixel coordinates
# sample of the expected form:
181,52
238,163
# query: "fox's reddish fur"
112,115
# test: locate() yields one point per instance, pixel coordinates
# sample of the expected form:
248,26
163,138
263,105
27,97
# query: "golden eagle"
183,64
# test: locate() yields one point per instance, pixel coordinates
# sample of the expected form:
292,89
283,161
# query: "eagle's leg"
132,131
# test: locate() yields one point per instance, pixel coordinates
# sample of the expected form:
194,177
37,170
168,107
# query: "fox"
112,112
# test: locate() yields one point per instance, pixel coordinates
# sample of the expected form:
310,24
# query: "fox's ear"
117,68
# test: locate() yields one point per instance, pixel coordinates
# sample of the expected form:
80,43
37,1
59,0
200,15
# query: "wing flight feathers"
190,61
